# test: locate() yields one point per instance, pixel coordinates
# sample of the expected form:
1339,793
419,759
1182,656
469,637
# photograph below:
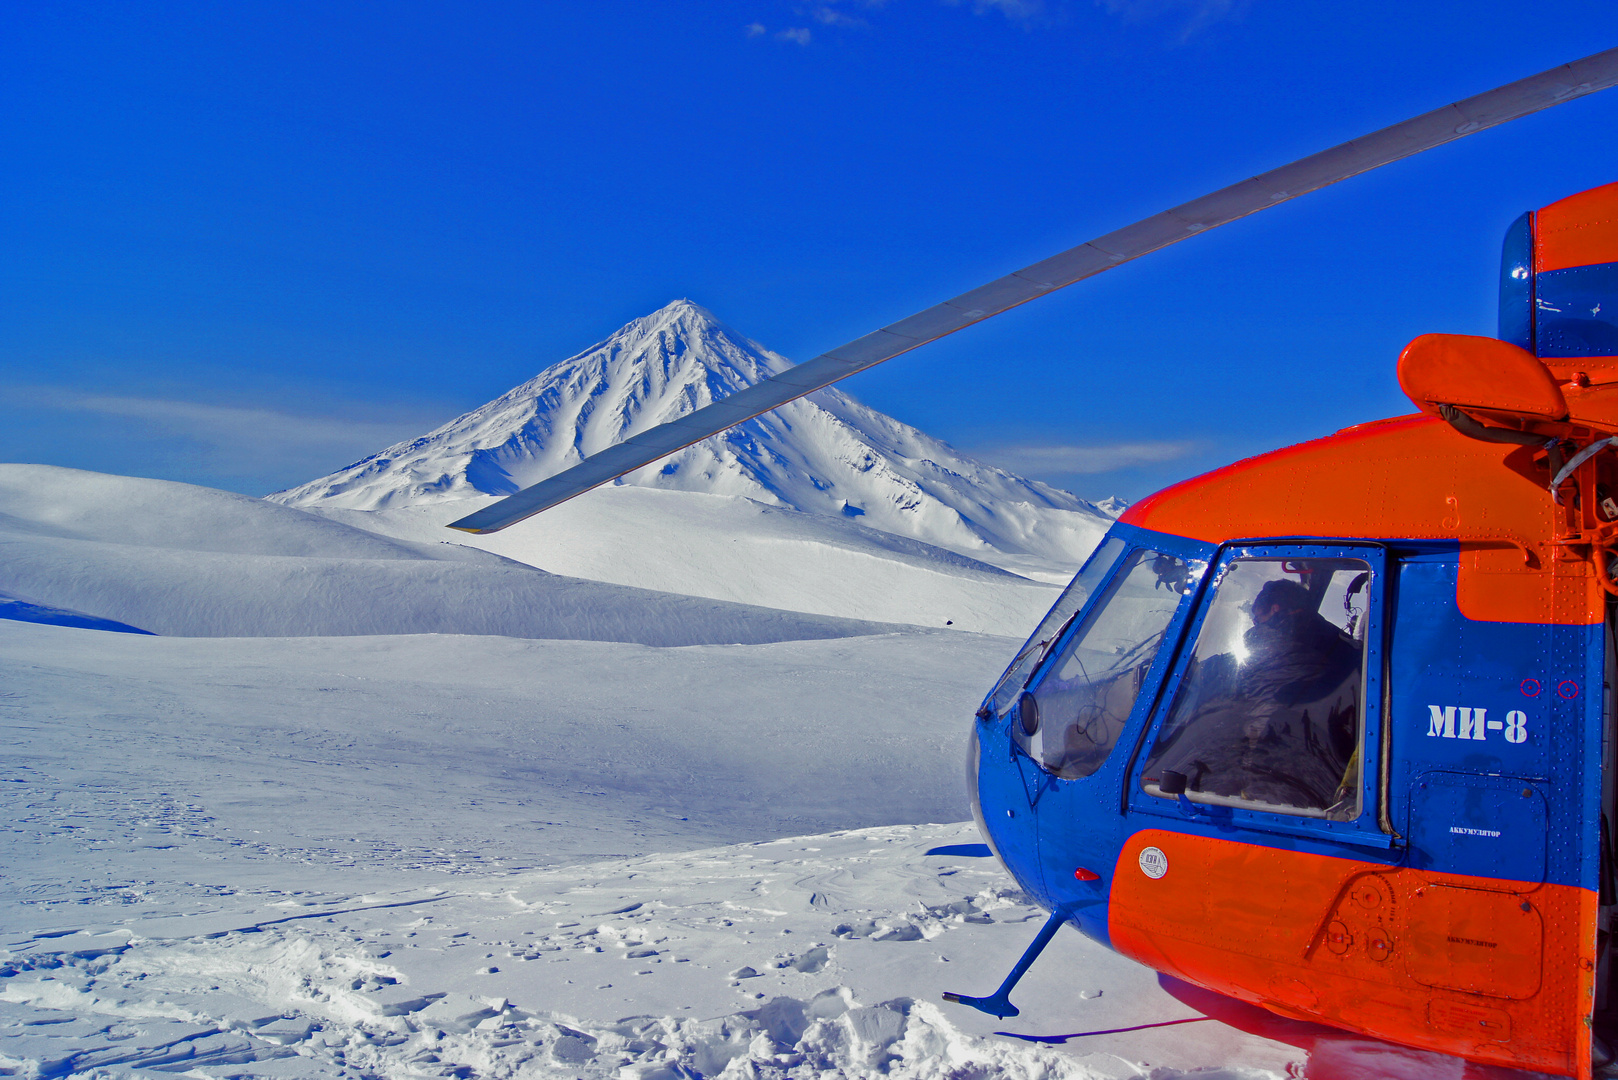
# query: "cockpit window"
1093,573
1080,701
1268,714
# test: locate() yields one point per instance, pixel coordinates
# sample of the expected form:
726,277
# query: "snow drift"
182,560
731,548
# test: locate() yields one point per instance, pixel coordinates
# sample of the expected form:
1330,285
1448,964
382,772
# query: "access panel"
1485,826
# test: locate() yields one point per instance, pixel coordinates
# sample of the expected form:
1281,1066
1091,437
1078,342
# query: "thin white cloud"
835,13
233,438
226,425
1083,460
1018,11
827,15
755,29
1198,14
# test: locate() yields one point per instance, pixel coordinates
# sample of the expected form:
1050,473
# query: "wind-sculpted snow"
175,559
825,454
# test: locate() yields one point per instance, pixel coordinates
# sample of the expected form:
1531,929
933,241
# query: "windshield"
1077,707
1095,571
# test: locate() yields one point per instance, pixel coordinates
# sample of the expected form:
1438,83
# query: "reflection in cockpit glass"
1081,697
1094,572
1268,713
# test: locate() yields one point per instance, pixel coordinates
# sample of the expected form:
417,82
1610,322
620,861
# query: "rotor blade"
1428,130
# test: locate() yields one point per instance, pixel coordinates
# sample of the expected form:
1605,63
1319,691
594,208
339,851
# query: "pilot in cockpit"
1294,653
1276,720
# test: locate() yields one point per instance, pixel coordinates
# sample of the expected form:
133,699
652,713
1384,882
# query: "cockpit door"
1256,863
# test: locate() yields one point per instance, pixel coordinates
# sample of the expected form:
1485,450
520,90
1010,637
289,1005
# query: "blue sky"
245,244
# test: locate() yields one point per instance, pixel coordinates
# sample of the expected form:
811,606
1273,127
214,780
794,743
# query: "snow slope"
825,454
732,548
455,857
176,559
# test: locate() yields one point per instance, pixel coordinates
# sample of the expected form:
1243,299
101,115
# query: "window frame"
1366,829
1074,617
1135,539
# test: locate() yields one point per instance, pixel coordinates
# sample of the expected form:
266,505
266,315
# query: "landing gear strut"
999,1003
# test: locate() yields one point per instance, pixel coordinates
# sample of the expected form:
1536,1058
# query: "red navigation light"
1081,874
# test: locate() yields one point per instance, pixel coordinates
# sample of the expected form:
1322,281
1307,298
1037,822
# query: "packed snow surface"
454,856
824,454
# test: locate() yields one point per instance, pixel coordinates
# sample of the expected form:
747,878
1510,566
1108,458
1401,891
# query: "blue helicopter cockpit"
1057,712
1253,658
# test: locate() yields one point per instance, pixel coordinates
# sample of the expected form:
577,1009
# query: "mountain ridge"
825,454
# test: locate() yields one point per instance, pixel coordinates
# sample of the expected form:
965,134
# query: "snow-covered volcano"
824,454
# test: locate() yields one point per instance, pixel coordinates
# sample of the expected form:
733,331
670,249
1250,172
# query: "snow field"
385,759
177,559
308,857
734,549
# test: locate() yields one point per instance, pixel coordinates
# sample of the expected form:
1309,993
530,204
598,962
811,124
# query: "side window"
1080,701
1269,714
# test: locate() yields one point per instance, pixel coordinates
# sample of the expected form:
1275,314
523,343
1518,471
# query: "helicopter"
1330,730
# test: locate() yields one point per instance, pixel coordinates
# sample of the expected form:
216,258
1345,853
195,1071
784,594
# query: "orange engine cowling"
1550,381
